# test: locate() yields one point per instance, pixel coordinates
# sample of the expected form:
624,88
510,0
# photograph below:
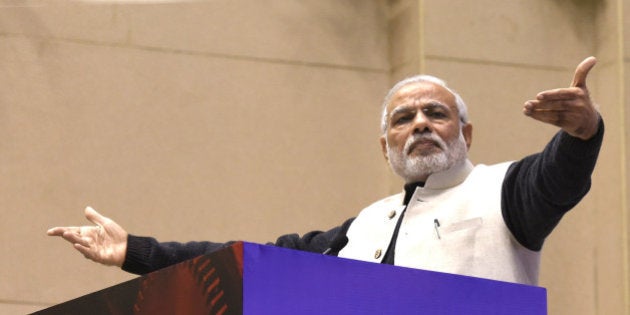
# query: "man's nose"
421,124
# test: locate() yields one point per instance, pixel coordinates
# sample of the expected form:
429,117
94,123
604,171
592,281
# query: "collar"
450,177
442,180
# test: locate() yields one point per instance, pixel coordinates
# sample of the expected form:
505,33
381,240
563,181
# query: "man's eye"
435,114
402,119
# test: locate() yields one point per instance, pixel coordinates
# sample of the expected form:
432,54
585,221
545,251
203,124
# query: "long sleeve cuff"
580,148
138,254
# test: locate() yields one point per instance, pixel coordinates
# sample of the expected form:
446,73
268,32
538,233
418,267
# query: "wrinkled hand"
105,243
568,108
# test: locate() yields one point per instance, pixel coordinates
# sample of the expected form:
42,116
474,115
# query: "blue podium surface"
254,279
282,281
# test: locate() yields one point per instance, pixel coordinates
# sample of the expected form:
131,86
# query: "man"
484,221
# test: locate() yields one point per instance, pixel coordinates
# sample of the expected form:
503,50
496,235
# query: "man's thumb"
581,72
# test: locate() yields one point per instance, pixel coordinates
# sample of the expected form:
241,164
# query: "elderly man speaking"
483,221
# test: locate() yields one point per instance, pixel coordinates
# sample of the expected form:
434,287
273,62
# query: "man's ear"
384,147
467,130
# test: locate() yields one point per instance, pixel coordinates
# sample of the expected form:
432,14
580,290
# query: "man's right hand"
105,242
568,108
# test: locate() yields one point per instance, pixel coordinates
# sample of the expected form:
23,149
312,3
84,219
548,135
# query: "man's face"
424,133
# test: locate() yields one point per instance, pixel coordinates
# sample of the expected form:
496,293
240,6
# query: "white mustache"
415,138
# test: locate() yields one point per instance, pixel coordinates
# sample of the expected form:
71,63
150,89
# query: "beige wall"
226,120
500,57
213,120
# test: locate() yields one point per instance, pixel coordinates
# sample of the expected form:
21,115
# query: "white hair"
459,102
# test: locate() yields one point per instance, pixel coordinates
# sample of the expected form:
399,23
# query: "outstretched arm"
105,242
108,243
539,189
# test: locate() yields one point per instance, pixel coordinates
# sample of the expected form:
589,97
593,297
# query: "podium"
254,279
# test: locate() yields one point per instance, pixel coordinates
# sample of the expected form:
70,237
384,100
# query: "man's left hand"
568,108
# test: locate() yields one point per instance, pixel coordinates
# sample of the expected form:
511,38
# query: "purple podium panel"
281,281
256,279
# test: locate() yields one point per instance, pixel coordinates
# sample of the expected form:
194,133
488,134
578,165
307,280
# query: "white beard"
417,168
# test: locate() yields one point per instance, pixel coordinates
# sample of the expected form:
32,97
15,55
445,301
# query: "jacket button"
378,253
392,214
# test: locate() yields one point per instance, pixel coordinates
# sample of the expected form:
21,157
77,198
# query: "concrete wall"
196,120
247,119
498,54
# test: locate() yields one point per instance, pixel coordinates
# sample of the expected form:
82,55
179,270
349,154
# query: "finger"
561,94
528,108
579,78
56,231
76,239
560,105
59,230
95,217
557,118
546,115
536,105
87,253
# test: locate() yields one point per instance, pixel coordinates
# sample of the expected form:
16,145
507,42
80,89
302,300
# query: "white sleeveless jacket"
453,224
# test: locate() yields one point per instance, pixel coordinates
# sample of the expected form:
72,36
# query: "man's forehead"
423,92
